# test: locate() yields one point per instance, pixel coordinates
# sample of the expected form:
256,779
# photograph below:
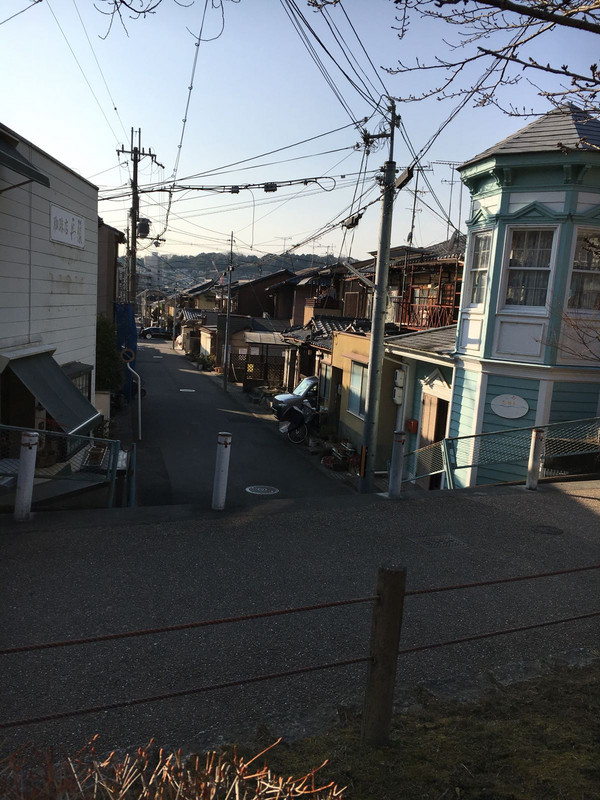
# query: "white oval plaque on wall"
510,406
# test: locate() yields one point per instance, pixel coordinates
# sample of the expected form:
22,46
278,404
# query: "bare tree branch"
482,27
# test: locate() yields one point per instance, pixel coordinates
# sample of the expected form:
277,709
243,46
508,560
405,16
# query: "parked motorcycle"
296,422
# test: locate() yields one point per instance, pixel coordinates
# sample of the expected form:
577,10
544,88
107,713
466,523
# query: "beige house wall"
348,348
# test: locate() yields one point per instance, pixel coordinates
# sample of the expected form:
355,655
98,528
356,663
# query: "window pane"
585,291
481,250
527,287
587,250
531,248
478,287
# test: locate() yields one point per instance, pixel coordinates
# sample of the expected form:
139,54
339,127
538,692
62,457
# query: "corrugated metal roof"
436,340
559,129
264,337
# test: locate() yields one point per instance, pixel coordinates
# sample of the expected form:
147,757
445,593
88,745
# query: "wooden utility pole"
137,152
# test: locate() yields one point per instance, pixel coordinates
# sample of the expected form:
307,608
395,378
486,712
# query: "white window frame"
469,283
579,312
539,311
362,394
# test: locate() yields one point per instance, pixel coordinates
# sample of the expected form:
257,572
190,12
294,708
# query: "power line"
190,89
82,71
209,172
385,91
115,109
298,15
346,52
315,57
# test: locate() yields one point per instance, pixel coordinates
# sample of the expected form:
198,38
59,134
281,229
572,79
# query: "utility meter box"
398,395
399,377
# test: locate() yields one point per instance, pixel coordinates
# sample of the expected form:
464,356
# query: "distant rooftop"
563,128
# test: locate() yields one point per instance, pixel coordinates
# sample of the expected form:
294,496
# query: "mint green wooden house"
528,333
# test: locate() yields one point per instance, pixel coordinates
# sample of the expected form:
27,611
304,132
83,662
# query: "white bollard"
221,471
29,446
535,458
396,465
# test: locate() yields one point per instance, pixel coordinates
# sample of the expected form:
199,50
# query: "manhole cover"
262,490
435,542
547,530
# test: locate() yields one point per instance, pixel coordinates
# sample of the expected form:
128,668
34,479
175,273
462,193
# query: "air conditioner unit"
398,377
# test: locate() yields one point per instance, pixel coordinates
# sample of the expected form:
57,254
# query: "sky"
76,89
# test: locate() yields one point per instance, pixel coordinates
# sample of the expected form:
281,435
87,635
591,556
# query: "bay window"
530,255
584,292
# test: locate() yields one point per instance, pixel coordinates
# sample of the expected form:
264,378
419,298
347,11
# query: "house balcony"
421,316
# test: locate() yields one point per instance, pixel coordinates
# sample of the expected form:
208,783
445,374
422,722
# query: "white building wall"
47,289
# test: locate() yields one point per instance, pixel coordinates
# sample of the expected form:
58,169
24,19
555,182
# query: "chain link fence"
569,448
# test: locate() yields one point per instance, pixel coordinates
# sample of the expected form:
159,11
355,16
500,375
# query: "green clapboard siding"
525,388
574,401
463,402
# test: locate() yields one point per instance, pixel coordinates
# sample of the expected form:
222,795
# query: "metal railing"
508,448
423,315
60,457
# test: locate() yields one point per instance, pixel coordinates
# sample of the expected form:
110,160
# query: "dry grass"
151,774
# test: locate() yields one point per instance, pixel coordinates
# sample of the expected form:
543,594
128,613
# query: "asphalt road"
72,574
183,411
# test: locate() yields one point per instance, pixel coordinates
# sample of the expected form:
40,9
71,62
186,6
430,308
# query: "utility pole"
371,420
226,353
137,152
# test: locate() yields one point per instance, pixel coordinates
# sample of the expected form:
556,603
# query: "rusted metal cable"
182,693
491,634
183,627
500,580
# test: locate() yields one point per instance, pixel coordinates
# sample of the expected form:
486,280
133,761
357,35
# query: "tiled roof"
193,314
200,288
441,341
561,128
202,315
319,331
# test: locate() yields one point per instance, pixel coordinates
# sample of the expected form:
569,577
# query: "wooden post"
385,640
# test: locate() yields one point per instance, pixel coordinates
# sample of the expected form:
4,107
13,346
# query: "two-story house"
526,349
48,297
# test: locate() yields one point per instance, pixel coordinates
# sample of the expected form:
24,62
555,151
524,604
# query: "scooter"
295,422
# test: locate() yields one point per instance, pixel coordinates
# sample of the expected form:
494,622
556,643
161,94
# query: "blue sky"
255,90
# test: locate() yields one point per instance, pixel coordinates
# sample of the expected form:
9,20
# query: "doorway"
434,419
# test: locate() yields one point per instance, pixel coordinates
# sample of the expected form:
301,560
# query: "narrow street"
183,411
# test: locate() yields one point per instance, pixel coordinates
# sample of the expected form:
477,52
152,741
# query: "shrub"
110,370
